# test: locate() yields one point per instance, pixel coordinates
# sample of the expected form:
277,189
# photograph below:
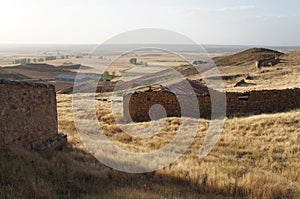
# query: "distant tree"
105,74
48,58
67,56
146,64
21,61
133,61
40,59
62,57
34,59
113,74
28,60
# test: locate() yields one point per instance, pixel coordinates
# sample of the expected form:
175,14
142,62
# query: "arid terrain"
255,156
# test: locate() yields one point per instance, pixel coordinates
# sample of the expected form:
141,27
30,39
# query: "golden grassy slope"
256,156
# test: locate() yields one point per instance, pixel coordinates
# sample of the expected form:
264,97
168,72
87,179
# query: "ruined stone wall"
137,105
28,113
263,101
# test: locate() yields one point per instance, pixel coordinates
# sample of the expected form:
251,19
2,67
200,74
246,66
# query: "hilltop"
234,68
11,75
245,57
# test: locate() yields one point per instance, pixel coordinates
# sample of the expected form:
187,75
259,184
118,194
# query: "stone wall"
263,101
136,105
28,114
140,104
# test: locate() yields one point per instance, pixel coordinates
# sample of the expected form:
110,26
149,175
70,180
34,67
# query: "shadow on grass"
72,173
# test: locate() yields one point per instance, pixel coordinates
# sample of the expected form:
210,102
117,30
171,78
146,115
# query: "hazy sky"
256,22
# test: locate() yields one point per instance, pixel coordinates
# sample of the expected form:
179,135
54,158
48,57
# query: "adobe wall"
28,114
140,103
264,101
137,105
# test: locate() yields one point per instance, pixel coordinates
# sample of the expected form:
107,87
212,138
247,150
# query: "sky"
227,22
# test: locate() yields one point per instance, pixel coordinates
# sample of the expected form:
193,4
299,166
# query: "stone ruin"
267,62
137,104
29,115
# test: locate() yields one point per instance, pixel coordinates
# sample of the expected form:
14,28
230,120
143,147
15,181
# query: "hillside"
42,70
291,59
279,70
255,157
233,68
37,71
249,56
11,75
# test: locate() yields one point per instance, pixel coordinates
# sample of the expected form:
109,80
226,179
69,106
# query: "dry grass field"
255,157
281,76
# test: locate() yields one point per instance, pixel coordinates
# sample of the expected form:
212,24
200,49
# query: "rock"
240,83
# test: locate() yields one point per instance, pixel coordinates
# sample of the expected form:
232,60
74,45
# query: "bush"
133,61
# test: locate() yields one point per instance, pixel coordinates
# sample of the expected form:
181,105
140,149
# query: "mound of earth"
199,87
186,70
247,57
37,71
292,58
11,75
37,67
74,67
88,87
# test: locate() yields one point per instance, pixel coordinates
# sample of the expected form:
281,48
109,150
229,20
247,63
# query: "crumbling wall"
28,114
262,101
136,105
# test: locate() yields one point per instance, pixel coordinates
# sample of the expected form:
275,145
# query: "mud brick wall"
28,113
263,101
136,105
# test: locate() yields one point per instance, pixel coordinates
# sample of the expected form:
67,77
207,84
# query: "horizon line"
87,43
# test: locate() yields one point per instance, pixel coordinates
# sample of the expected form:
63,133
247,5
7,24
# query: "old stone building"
136,105
267,62
28,115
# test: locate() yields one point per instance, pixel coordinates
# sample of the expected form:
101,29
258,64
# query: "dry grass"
255,157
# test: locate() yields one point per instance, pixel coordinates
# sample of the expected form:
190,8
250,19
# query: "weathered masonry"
136,105
28,115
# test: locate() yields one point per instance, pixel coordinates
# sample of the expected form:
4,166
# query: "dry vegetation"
255,157
281,76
